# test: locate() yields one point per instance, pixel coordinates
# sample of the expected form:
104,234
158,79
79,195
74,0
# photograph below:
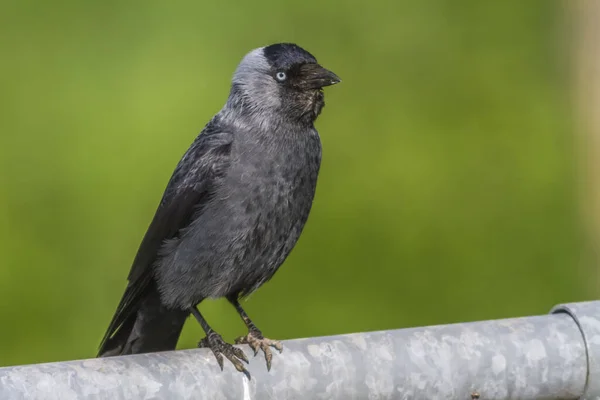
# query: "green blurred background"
448,187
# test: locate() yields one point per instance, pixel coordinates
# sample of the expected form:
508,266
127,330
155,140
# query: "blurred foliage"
447,188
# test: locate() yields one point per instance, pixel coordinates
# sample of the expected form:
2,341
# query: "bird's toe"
268,355
239,353
221,348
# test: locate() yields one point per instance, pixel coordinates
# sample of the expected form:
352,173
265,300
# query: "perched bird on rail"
233,209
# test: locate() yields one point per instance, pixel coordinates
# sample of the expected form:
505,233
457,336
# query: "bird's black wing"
191,186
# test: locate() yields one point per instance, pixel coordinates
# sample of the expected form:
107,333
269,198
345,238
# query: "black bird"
233,209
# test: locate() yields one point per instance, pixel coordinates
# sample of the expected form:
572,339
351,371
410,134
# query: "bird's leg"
219,347
255,338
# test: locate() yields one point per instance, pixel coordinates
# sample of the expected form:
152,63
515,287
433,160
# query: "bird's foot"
256,341
221,348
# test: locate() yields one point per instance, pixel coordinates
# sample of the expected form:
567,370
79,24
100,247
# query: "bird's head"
282,81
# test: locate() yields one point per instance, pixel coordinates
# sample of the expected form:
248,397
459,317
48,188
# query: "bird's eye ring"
280,76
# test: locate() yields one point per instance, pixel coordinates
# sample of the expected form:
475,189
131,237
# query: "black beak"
315,77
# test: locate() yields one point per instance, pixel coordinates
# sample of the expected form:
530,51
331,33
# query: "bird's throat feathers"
249,106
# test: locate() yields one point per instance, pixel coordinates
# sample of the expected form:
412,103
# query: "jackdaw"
232,211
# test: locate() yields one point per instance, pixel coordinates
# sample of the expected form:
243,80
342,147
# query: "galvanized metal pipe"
554,356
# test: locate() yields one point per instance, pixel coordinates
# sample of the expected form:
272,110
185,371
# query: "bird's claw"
257,341
220,348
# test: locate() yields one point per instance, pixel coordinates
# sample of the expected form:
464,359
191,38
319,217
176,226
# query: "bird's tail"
152,327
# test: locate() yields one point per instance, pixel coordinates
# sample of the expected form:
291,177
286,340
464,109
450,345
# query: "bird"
232,211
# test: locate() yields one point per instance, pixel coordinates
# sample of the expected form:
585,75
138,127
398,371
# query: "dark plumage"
233,209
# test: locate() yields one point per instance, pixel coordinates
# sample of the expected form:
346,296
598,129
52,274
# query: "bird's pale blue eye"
281,76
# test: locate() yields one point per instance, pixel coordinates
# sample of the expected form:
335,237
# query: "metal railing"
555,356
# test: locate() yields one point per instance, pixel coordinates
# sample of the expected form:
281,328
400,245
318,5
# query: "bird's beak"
316,77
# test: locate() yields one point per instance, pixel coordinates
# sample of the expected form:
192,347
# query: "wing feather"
192,184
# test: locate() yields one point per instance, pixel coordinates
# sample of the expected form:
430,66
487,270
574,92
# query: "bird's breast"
272,191
278,180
